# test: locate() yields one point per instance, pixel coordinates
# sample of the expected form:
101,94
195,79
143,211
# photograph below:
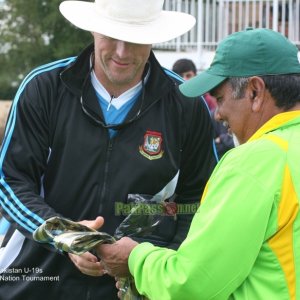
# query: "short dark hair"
184,65
284,89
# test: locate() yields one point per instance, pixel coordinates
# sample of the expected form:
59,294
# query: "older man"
244,242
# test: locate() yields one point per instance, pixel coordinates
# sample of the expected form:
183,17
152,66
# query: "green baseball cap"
251,52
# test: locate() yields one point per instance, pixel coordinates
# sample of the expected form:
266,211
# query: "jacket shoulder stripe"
173,75
27,79
12,205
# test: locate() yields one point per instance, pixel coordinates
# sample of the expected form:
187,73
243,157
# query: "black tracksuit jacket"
57,160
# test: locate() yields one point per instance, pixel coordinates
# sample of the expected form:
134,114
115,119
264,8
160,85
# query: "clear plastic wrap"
144,215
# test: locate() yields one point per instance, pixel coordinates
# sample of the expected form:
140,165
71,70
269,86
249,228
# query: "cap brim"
168,26
200,84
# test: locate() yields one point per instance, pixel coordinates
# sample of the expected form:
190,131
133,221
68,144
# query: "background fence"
218,18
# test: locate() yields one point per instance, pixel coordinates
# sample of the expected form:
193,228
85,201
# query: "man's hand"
114,257
88,263
95,224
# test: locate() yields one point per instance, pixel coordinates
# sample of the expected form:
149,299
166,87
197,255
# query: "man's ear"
257,93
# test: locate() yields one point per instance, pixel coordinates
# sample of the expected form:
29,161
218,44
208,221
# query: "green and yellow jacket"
244,242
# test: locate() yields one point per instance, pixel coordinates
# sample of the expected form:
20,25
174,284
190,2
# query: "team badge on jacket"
151,147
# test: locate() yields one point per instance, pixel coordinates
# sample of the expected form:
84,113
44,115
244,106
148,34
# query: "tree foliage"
33,32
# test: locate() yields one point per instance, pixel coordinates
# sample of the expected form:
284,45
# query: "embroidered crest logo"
151,147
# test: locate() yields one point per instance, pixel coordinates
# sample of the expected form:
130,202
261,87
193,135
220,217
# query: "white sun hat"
135,21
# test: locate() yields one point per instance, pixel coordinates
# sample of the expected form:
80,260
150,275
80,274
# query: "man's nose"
122,48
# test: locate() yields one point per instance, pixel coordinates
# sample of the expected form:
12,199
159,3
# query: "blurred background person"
185,67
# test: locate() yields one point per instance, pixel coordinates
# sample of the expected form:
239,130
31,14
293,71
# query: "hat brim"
168,26
200,84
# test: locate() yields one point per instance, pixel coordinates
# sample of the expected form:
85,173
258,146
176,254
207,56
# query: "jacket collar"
77,78
74,76
279,120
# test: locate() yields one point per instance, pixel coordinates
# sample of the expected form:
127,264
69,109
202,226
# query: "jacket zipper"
106,169
88,294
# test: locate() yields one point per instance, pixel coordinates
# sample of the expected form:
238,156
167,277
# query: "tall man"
86,132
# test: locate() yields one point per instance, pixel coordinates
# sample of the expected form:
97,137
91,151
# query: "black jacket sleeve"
198,162
24,155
